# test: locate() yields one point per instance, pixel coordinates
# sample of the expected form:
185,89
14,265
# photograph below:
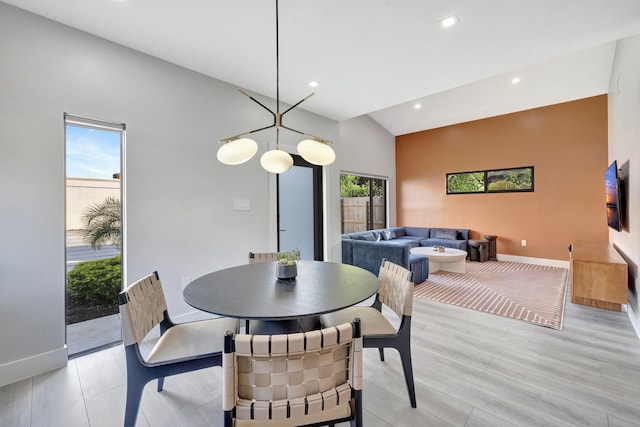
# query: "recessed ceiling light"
313,84
515,80
417,106
449,21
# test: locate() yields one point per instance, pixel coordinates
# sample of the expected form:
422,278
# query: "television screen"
612,194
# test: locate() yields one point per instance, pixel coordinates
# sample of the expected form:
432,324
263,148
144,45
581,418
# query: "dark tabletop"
252,291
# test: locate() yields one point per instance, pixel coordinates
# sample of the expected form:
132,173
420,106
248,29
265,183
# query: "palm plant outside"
103,223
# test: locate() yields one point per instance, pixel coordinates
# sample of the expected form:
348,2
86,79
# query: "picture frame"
508,180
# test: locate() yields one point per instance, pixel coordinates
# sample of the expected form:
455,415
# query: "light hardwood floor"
471,369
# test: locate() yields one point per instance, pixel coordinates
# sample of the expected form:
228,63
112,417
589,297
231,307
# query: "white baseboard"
26,368
635,319
538,261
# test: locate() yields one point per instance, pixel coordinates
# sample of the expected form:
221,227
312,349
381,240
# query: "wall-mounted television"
613,194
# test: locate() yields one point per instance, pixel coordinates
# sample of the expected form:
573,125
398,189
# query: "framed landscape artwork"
491,181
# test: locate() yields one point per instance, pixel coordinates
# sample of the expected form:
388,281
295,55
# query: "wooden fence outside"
356,214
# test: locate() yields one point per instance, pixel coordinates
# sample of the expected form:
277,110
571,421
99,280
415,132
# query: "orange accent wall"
567,145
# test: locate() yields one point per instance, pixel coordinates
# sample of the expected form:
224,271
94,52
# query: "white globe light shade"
237,151
276,161
316,152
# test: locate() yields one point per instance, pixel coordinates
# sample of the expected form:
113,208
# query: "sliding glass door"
363,203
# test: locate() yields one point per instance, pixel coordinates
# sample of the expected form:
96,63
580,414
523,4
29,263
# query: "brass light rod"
277,117
277,121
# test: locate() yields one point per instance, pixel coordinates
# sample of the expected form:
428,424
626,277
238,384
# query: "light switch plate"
241,205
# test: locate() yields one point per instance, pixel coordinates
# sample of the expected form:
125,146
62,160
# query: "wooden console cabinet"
598,275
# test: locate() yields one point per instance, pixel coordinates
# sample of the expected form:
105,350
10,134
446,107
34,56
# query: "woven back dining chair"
396,292
182,347
301,379
255,257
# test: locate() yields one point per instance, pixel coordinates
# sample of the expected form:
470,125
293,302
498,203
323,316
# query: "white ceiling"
377,57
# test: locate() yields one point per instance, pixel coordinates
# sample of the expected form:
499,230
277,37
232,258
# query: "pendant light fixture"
238,149
276,161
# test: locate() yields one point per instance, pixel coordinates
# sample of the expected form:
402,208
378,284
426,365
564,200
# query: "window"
94,232
364,203
491,181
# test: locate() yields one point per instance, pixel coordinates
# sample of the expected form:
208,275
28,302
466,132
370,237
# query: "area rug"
527,292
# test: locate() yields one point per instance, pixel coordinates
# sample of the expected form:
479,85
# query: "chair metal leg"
407,367
402,343
134,395
160,384
228,418
358,419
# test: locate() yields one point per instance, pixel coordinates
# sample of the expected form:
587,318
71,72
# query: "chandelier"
238,149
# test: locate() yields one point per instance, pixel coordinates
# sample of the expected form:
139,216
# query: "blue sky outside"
92,153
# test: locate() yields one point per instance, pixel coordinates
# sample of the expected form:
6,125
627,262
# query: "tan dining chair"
255,257
300,379
396,292
182,347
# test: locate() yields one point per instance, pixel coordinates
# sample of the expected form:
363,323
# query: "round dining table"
253,292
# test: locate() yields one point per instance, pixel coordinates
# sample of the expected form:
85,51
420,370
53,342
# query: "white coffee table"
450,260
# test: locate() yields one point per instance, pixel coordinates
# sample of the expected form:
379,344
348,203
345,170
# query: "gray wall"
179,217
366,151
624,146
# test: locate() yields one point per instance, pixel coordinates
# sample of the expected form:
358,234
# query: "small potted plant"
286,267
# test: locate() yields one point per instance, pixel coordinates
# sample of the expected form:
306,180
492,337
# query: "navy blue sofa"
367,249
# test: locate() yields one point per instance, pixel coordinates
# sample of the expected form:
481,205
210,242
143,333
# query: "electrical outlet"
185,281
524,243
